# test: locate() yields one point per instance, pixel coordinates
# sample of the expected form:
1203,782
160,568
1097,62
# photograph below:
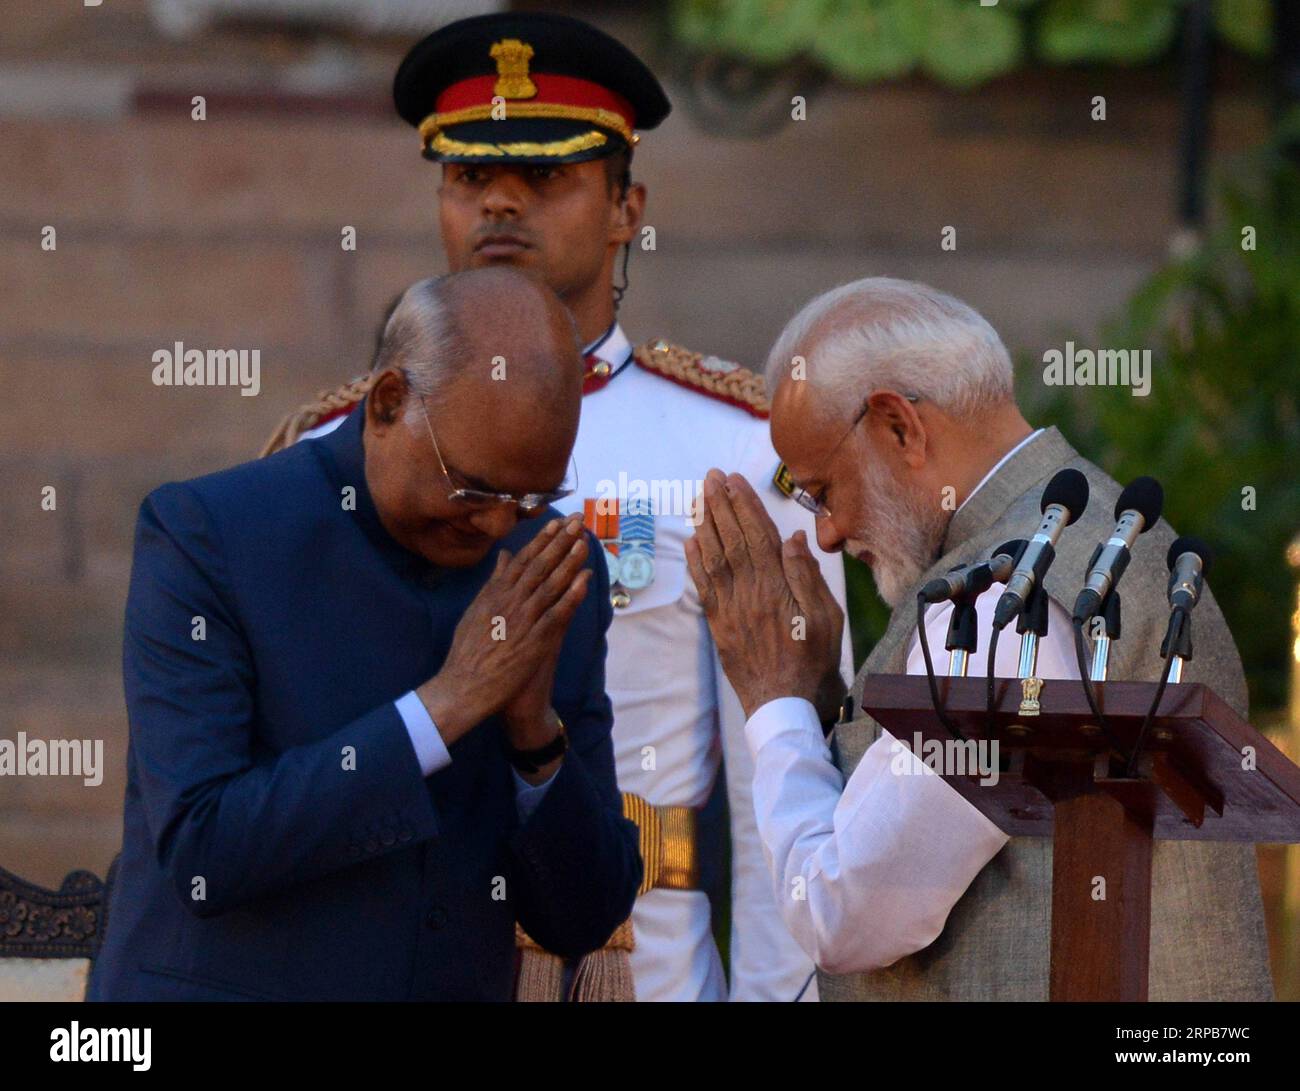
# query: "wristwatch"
529,761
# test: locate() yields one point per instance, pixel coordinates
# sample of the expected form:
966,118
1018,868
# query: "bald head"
478,386
492,325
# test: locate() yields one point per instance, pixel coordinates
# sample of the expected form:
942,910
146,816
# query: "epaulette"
328,405
719,379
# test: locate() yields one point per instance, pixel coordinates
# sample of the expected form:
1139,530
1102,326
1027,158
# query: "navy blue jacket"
269,771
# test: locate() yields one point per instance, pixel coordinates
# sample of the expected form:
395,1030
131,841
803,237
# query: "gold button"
619,599
601,369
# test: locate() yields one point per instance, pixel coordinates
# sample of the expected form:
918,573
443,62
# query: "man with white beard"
893,409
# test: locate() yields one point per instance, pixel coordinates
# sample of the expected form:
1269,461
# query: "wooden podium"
1205,774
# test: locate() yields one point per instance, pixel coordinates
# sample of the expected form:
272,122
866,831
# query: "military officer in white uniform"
543,184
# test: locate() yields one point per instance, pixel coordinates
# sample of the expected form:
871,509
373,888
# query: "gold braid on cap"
306,417
445,145
593,115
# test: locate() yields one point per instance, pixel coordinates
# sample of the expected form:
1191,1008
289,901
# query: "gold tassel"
541,976
604,976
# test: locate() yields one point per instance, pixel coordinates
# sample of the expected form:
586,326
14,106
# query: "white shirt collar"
615,349
997,466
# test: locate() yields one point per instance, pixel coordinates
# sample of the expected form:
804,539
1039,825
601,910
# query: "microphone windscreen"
1144,496
1188,544
1069,488
1012,549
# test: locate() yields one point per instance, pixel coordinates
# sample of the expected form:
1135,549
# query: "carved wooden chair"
49,938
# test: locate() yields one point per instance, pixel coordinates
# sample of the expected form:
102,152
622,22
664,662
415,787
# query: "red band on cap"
551,89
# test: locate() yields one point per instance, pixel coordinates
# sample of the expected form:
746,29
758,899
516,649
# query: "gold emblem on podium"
512,57
1030,688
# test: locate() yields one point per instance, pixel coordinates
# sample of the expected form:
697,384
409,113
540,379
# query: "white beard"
904,537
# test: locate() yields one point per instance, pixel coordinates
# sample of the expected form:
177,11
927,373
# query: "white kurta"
675,714
879,862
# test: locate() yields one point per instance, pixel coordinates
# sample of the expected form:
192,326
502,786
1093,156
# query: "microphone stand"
963,634
1177,647
1101,649
1032,627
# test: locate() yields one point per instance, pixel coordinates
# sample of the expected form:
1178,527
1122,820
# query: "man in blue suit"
365,680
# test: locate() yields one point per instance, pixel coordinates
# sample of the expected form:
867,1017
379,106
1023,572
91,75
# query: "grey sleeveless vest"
1208,940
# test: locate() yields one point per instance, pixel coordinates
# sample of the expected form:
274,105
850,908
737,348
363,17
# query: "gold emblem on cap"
512,57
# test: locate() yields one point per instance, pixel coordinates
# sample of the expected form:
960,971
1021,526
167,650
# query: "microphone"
973,579
1189,562
1064,500
1003,561
1136,511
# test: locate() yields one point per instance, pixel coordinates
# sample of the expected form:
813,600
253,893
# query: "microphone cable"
1177,620
989,679
1085,676
953,729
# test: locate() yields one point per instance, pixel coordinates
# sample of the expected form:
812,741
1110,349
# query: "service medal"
636,568
636,554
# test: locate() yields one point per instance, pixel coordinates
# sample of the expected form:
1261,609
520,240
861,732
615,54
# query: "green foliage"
767,33
958,42
1224,410
1112,31
867,40
868,614
1247,24
965,44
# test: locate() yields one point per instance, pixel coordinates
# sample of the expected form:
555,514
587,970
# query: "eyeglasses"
816,504
529,504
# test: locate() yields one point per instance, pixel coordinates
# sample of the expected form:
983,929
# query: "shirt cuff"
793,715
528,796
430,750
